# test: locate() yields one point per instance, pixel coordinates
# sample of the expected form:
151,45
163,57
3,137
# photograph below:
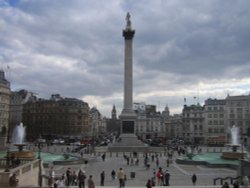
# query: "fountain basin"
24,154
233,155
212,160
233,152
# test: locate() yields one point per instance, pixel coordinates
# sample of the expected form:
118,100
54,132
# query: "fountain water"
18,134
233,149
17,140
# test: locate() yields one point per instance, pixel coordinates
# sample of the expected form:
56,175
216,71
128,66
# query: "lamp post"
7,160
40,164
39,149
242,156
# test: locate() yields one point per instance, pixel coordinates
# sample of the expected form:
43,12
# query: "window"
215,115
221,115
231,115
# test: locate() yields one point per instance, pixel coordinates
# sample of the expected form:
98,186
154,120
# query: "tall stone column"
128,141
128,115
128,71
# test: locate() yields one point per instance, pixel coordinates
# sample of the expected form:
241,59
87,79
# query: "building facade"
238,112
17,100
4,108
113,124
97,123
149,123
215,122
57,116
193,124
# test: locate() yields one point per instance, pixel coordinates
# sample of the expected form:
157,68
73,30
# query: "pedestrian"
68,176
102,178
245,181
121,177
194,179
51,179
149,183
13,181
167,177
236,184
154,175
225,185
160,177
168,162
81,179
91,183
103,156
152,157
74,178
113,175
157,161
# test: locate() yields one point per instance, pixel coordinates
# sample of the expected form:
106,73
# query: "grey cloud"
177,45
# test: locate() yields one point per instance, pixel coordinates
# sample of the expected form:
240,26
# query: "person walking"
113,175
91,183
194,179
160,177
167,177
68,176
74,178
81,179
121,177
149,183
225,185
102,178
51,179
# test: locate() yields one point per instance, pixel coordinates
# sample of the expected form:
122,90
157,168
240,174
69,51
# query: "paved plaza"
180,175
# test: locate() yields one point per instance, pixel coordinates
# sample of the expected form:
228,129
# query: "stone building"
149,123
174,127
97,123
17,100
193,124
214,121
4,108
113,124
238,112
57,116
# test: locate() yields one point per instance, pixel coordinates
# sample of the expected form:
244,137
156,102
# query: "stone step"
197,186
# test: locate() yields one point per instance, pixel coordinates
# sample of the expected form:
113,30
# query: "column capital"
128,34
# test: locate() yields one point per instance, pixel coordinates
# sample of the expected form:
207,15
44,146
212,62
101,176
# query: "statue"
128,26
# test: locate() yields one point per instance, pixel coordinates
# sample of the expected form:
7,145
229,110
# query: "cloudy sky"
182,49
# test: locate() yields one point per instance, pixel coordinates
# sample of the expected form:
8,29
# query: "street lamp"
7,160
39,149
40,164
243,140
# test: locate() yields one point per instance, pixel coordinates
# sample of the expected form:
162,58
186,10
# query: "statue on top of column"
128,26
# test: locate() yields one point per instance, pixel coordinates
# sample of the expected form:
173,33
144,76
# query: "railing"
3,163
222,180
20,171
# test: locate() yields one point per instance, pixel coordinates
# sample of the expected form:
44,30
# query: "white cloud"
75,48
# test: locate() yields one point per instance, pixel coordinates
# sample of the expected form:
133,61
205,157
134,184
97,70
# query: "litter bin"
132,175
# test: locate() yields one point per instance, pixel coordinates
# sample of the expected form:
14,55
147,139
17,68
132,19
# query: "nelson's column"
128,139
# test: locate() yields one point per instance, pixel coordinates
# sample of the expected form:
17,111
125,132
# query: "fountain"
234,150
17,140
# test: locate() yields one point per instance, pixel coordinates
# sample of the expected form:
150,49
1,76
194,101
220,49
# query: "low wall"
27,174
189,162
